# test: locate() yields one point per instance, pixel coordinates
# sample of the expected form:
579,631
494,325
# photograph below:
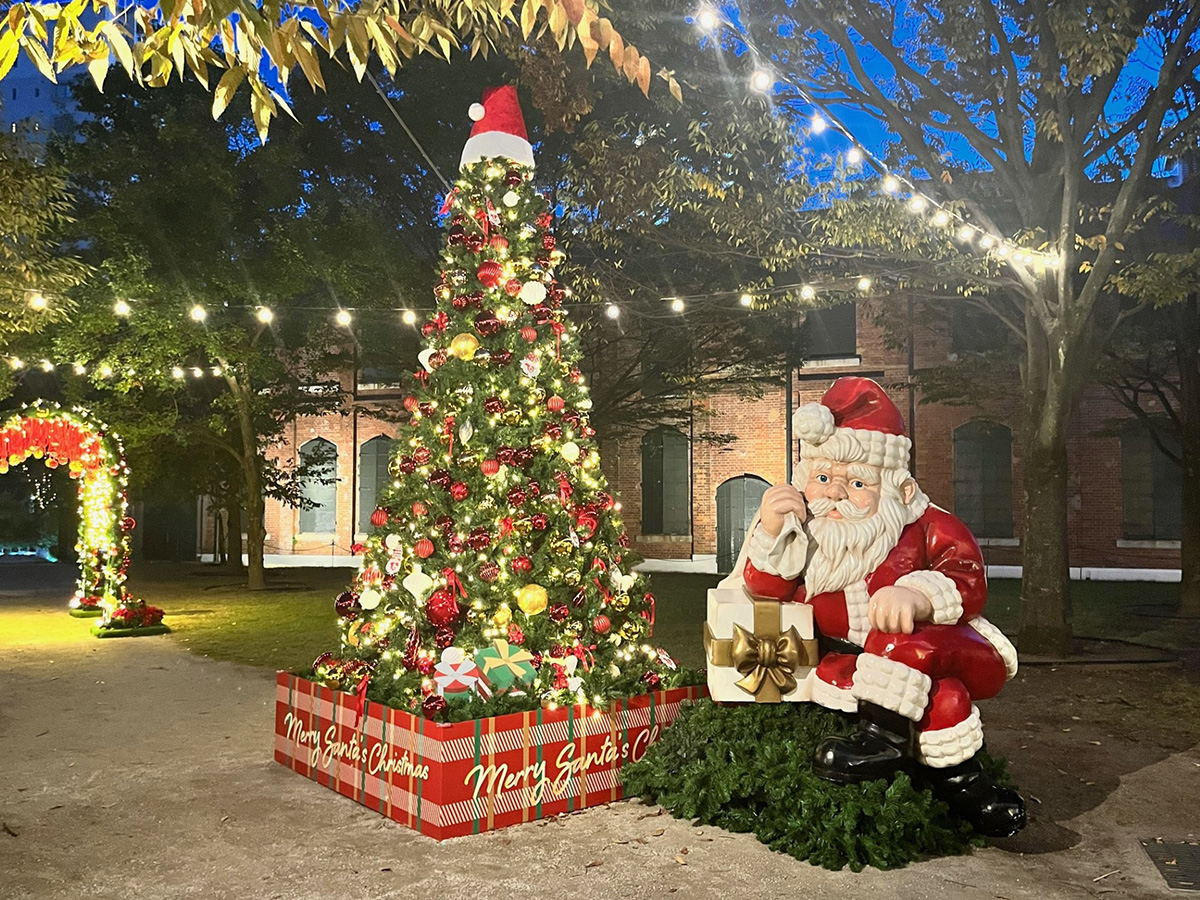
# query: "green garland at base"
748,768
129,632
84,613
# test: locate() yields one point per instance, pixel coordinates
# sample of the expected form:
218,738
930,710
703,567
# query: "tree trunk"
1187,350
233,537
1045,583
256,531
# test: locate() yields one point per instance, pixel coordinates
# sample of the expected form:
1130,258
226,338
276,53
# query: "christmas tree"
497,577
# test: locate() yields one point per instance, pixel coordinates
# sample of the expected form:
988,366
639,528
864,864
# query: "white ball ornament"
510,199
569,451
393,542
476,112
369,598
532,293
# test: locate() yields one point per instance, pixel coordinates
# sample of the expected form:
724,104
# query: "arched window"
983,495
319,512
372,477
1151,486
666,507
738,500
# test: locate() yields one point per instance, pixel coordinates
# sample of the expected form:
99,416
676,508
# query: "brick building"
689,502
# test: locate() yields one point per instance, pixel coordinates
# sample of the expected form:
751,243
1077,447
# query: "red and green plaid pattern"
465,777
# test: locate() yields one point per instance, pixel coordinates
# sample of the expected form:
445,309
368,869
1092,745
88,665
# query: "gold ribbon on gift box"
768,656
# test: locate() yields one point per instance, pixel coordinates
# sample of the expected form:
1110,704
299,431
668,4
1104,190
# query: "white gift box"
756,649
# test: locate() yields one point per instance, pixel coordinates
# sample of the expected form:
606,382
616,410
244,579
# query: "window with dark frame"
372,477
319,514
831,332
983,496
666,482
1151,487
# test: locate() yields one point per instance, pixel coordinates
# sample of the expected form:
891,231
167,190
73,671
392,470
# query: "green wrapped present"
505,667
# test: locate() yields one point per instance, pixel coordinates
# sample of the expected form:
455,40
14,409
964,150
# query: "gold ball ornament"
512,417
464,345
502,617
621,602
569,451
630,630
532,599
572,577
562,547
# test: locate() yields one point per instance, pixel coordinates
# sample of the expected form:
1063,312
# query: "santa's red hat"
855,421
499,129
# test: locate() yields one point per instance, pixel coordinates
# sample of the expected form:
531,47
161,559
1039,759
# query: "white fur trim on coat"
858,445
785,554
492,144
939,590
945,747
833,697
892,685
858,601
996,638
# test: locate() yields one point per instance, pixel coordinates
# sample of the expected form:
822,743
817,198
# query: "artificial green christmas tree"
497,577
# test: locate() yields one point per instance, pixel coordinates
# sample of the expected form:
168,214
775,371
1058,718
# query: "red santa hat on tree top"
855,421
499,129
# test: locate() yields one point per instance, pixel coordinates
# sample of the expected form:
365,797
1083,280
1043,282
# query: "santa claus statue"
897,589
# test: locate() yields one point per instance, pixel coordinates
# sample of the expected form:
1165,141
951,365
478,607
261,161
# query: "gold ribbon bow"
768,658
507,657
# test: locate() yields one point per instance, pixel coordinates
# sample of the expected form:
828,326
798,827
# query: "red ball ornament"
433,705
652,679
548,242
475,242
459,491
455,235
487,324
556,404
445,523
444,637
522,564
499,242
410,403
406,464
513,177
516,496
441,478
423,548
457,544
346,605
419,508
506,455
425,665
513,286
479,538
529,333
422,455
489,572
501,357
489,467
442,608
539,521
379,518
493,406
427,329
559,612
489,273
460,302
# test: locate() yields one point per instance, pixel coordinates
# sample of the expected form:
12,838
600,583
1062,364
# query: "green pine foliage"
748,768
498,504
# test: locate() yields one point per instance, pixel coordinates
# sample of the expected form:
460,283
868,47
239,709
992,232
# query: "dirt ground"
135,769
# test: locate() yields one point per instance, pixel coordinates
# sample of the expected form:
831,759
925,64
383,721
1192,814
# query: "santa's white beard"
847,550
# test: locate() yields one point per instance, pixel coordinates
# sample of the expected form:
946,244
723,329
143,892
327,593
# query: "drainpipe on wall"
790,399
912,392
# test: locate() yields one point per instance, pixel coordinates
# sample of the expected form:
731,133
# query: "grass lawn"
287,626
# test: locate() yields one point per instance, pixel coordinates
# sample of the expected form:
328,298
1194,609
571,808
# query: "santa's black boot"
883,745
971,794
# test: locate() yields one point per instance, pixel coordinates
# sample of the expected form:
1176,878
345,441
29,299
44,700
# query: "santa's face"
830,483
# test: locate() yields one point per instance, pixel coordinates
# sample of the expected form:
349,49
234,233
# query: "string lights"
933,212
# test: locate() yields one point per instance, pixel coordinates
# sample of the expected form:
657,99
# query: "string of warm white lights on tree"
929,209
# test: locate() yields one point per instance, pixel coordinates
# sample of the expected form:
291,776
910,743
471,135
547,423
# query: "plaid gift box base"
447,780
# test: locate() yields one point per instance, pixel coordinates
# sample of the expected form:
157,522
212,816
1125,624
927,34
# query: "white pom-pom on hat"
813,423
476,112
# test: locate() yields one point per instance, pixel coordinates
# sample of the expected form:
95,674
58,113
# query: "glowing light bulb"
612,311
38,302
677,305
917,204
762,80
966,233
819,125
343,318
106,371
408,317
47,366
176,372
987,242
264,315
707,19
941,218
198,313
746,300
807,292
80,369
854,156
1003,250
864,283
122,308
891,184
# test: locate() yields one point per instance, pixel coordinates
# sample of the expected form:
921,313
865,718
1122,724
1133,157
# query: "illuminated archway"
95,458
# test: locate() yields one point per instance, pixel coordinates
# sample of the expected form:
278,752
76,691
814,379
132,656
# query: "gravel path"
135,769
